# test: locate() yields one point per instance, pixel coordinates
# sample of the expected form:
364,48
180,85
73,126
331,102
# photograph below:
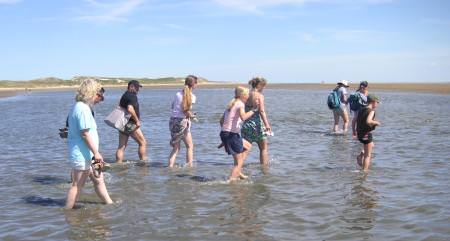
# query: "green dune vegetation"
8,88
52,82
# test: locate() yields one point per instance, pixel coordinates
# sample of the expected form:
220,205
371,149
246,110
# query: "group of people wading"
243,122
363,122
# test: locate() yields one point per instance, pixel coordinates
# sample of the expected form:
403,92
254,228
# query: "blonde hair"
187,97
238,92
88,90
256,81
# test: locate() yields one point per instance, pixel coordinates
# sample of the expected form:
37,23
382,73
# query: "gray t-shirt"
342,91
363,97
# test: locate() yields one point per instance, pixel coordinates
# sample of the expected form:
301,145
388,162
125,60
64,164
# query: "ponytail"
256,81
187,98
231,103
190,81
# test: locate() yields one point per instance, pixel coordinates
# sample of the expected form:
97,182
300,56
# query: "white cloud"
147,28
45,19
343,36
103,12
144,28
308,38
174,26
9,1
256,6
349,35
166,41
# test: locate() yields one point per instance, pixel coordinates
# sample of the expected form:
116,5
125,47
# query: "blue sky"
228,40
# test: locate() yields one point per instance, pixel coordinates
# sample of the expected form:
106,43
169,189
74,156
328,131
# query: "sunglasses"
101,96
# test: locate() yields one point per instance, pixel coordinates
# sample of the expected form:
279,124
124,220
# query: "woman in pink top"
231,128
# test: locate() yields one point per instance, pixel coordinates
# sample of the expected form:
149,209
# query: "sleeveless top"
253,128
361,123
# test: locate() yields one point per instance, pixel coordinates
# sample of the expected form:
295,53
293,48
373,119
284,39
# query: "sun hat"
364,83
343,82
372,98
135,83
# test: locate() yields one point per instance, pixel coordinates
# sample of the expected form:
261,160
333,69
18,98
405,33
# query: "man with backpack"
337,101
357,101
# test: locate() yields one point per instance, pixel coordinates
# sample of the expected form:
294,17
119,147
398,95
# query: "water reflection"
360,213
244,207
265,168
87,224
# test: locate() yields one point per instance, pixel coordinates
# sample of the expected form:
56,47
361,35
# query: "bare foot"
233,179
242,176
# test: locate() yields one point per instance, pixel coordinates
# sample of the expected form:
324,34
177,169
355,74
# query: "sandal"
96,168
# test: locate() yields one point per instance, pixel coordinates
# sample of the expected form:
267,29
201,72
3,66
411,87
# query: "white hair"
88,90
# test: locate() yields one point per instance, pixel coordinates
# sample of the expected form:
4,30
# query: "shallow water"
311,191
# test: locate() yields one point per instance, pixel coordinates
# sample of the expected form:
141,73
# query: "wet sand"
8,93
442,88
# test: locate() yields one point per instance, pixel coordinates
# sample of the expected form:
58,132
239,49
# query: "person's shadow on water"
361,202
87,224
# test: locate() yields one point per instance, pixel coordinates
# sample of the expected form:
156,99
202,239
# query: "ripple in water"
312,189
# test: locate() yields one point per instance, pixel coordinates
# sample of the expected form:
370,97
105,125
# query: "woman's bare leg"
123,141
78,180
138,136
100,188
189,149
263,152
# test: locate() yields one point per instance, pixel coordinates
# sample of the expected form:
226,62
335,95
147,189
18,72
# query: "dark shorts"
232,142
129,128
366,139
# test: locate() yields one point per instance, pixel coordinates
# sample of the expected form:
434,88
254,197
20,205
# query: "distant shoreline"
440,88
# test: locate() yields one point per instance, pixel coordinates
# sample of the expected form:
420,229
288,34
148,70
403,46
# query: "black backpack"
355,101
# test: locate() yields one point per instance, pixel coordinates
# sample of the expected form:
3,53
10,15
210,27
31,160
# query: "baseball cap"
343,82
364,83
135,83
372,98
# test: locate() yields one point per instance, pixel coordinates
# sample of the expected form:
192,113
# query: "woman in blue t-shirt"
83,143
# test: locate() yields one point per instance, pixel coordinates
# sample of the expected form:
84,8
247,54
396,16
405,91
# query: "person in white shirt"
180,121
342,112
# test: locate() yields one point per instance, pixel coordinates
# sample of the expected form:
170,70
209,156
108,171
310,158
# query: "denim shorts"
232,142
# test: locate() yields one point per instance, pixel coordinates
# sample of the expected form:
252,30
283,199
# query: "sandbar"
441,88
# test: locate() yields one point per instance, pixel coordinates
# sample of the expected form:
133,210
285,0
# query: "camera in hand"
63,132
